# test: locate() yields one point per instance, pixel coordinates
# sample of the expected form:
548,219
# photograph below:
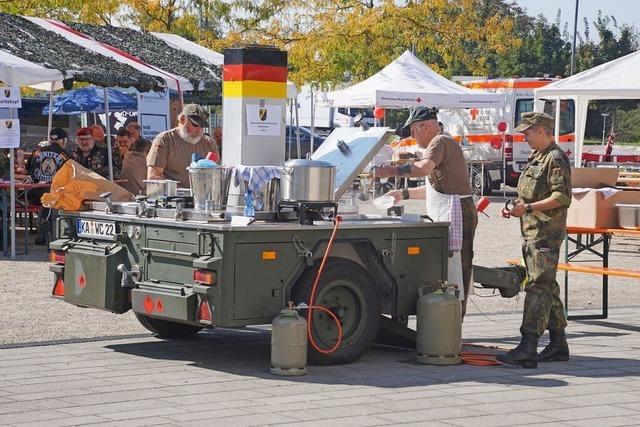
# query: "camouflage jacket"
547,174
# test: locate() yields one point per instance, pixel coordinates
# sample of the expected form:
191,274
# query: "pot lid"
350,150
308,163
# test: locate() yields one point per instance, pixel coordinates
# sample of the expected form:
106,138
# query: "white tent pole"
50,123
108,126
12,197
313,127
297,130
557,120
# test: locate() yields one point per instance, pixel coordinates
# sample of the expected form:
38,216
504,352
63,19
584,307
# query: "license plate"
96,229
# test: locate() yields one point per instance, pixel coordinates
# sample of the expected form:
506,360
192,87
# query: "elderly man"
171,150
447,190
90,155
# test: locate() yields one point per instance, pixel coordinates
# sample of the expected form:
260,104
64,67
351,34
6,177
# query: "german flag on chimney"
255,72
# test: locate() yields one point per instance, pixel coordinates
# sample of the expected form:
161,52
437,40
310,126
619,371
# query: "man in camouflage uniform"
544,194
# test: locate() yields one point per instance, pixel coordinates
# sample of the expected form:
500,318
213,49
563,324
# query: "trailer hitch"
129,277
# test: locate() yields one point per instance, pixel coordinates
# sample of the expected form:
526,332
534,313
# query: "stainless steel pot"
161,188
308,181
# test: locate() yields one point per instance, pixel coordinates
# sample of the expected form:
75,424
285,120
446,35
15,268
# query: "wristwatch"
405,193
528,208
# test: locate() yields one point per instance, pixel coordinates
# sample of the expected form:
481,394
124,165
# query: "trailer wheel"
349,291
165,329
476,179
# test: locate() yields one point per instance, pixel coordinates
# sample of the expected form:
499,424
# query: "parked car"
305,142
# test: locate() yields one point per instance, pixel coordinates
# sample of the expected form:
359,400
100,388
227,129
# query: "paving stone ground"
222,377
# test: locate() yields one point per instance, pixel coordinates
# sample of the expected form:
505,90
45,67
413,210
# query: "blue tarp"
91,99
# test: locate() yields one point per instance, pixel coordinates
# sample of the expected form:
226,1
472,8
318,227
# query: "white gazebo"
407,82
617,79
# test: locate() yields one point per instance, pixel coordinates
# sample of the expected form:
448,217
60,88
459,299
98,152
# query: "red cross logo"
474,113
418,100
568,153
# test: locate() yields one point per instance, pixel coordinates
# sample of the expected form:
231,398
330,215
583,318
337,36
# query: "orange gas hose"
479,358
312,297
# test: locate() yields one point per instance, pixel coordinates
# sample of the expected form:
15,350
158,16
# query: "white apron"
439,209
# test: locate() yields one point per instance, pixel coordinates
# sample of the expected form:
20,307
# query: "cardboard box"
590,209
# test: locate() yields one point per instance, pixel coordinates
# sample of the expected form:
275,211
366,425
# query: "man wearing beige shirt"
171,151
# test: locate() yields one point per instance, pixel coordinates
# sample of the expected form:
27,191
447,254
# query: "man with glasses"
447,190
171,150
92,156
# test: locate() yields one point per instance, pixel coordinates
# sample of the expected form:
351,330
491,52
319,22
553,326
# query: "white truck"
477,129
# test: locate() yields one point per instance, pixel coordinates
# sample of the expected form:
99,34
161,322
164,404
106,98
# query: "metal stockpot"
308,181
160,188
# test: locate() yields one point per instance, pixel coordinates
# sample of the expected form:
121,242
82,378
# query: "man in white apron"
447,191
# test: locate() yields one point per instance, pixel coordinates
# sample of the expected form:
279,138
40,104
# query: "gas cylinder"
289,343
439,328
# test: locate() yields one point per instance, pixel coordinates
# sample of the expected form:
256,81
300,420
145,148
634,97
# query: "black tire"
166,329
349,291
476,181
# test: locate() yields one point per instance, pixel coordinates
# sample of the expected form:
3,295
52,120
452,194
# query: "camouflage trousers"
543,307
469,223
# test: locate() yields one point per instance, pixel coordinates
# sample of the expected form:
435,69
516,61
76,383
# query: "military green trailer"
181,270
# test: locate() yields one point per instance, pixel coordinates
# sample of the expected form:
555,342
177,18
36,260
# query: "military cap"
418,114
196,115
535,119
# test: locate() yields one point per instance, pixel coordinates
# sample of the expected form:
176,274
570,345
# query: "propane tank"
439,328
289,343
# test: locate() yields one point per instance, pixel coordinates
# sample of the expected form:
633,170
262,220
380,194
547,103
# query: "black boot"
525,354
557,349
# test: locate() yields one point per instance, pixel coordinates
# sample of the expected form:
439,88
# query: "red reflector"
204,311
204,277
57,257
58,287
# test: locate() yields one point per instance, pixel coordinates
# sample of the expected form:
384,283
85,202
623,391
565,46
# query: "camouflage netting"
156,52
29,41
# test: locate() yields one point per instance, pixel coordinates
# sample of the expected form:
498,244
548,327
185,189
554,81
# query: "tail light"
204,277
58,286
57,257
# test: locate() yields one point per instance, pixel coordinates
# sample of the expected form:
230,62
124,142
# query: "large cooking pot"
307,181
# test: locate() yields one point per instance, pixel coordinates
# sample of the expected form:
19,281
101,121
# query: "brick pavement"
223,377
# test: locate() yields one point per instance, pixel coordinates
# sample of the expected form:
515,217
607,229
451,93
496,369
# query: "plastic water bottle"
248,204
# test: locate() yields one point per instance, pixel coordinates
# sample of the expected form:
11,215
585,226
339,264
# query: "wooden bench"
593,237
590,269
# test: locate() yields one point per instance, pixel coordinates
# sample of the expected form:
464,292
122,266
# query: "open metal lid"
350,150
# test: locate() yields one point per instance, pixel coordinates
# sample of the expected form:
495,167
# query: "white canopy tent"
617,79
15,71
407,82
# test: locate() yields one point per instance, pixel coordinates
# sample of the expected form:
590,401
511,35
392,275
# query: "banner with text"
153,113
10,97
9,133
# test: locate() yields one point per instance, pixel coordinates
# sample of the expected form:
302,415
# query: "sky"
625,11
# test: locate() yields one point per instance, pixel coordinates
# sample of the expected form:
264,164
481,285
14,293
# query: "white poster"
9,133
264,120
10,97
153,113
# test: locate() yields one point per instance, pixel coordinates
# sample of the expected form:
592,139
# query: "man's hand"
396,194
519,209
385,171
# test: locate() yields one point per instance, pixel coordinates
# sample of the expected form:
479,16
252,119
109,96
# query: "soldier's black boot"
525,354
557,350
